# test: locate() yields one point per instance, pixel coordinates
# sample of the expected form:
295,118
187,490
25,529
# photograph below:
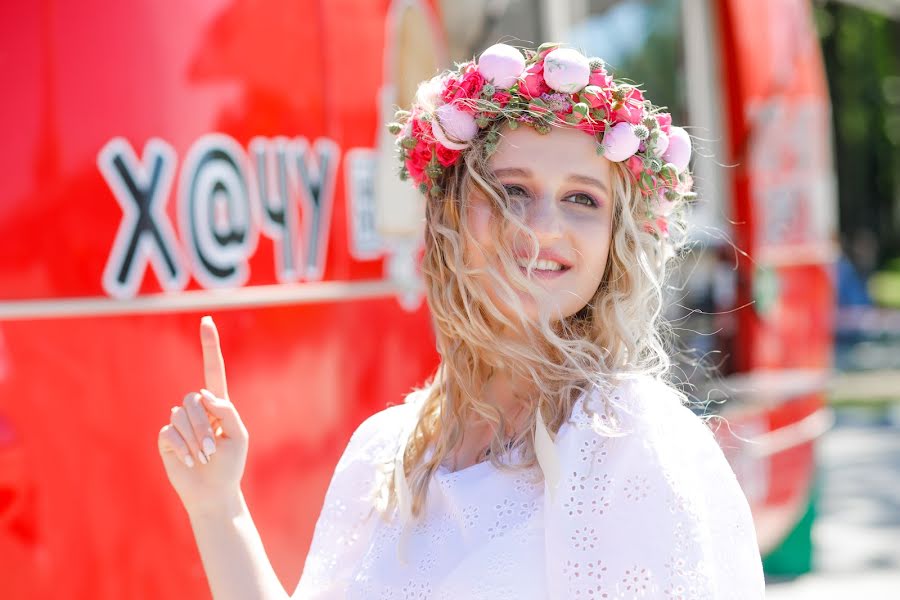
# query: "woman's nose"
542,215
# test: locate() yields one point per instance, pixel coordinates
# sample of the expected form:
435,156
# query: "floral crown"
552,86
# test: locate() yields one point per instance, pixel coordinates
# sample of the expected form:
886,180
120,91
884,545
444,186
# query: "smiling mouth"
543,265
543,268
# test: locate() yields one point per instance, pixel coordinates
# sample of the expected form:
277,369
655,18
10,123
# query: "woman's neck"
505,392
511,397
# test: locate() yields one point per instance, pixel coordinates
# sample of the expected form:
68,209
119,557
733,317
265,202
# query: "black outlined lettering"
279,213
145,235
317,170
364,239
215,211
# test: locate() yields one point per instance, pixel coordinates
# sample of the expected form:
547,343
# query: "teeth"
542,265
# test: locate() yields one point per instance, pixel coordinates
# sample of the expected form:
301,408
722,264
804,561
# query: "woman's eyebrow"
589,181
513,171
584,179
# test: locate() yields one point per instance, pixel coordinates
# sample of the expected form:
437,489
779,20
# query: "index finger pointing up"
213,363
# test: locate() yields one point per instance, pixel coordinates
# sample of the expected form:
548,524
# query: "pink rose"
502,98
665,122
631,109
636,166
597,97
446,156
468,87
420,128
601,79
545,52
418,159
532,84
636,95
590,126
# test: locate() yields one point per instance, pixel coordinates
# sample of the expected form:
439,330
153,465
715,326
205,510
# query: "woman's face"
563,190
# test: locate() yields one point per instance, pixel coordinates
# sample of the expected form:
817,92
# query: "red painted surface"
779,134
780,142
86,510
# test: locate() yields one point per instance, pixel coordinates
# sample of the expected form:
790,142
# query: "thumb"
225,411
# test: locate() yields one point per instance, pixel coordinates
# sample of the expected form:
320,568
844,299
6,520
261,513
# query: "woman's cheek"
478,242
480,225
594,247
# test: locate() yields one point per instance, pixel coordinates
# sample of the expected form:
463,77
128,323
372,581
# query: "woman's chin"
532,309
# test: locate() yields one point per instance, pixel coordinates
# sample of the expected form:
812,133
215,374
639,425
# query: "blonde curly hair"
620,331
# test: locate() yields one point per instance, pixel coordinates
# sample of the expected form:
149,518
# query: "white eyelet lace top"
656,513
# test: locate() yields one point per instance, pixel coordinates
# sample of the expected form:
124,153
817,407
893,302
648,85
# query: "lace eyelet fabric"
656,512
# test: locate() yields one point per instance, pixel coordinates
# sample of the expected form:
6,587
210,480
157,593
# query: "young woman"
547,457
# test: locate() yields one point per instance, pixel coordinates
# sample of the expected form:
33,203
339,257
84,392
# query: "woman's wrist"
226,506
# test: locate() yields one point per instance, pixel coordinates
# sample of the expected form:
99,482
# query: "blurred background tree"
861,48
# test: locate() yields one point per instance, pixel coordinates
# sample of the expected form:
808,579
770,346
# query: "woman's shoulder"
661,481
634,404
381,432
644,420
342,532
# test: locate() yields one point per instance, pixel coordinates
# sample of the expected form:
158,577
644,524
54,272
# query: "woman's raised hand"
204,446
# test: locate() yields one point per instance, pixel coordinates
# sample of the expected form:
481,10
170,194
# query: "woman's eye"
514,190
584,199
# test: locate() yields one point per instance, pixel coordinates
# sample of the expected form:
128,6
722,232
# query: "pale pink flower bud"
453,127
566,70
620,142
679,151
501,64
662,143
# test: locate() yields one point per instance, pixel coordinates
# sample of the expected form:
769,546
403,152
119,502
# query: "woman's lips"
541,274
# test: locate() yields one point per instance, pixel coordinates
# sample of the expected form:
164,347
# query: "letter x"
145,235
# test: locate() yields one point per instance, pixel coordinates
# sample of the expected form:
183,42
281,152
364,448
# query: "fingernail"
206,319
209,447
202,458
189,461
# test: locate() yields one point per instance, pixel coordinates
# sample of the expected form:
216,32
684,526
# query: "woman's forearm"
232,552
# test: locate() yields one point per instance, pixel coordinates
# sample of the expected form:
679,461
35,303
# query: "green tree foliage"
862,58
